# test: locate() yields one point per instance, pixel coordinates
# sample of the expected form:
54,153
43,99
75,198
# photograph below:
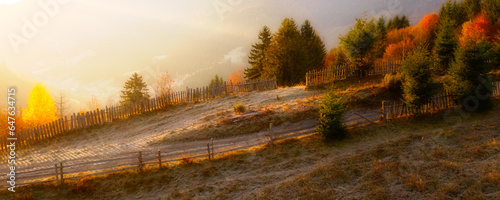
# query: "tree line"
287,54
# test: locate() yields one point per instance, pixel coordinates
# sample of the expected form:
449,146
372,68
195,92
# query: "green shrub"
331,111
418,87
469,73
239,108
393,82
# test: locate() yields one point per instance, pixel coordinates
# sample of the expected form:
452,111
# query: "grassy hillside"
418,158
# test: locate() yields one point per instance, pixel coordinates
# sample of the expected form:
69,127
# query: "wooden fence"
162,157
320,76
98,117
441,101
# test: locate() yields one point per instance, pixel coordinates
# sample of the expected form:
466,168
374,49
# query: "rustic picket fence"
320,76
98,117
158,158
442,101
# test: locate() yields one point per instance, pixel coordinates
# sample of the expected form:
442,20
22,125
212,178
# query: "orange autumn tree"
476,30
399,50
41,107
425,31
3,126
398,35
237,75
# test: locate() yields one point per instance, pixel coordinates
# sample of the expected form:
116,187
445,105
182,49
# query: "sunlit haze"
88,47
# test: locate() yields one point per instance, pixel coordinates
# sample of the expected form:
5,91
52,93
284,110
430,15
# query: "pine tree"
418,86
358,44
216,82
314,48
469,72
134,90
285,58
257,55
405,22
331,125
398,23
496,52
471,8
381,37
492,9
445,45
453,11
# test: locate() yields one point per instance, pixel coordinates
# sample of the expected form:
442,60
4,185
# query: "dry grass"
419,158
302,109
362,93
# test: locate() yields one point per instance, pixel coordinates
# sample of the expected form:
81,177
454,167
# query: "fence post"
212,144
57,174
307,79
271,138
139,159
208,150
159,158
384,117
62,174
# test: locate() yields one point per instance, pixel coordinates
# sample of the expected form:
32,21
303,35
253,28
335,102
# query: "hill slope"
420,158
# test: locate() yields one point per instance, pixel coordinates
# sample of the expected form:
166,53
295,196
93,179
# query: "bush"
393,82
331,111
469,73
418,86
239,108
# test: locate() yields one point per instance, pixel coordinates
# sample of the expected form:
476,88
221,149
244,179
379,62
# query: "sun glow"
9,2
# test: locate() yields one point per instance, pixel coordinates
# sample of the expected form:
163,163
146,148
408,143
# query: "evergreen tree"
418,86
285,58
398,23
331,125
358,44
469,71
496,52
453,11
405,22
471,8
216,82
492,9
134,90
314,48
381,37
257,55
445,45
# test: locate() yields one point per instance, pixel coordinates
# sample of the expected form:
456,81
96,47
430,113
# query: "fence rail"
441,101
98,117
320,76
162,157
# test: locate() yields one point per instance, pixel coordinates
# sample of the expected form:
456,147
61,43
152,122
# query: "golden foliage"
237,75
398,35
426,30
477,29
41,107
163,86
399,50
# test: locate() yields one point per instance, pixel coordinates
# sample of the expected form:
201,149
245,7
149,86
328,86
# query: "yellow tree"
93,103
41,107
163,85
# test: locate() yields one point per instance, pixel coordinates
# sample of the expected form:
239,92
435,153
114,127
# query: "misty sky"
91,47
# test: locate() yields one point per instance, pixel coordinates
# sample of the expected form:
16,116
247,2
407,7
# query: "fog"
86,47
